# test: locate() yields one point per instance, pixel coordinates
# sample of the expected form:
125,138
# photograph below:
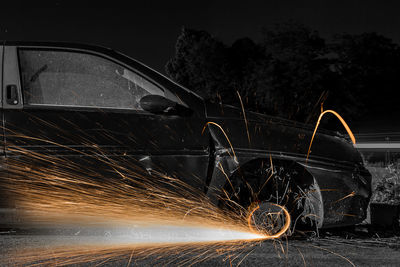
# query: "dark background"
148,30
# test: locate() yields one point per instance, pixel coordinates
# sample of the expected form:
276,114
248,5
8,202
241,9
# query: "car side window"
64,78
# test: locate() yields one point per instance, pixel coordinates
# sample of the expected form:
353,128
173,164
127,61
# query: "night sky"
147,30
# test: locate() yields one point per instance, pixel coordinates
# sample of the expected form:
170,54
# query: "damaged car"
73,94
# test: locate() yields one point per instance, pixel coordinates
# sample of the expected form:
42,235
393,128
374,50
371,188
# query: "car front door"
4,203
64,101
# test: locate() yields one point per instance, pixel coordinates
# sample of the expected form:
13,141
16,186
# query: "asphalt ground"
340,247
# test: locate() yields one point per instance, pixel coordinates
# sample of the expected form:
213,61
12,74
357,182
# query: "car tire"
264,185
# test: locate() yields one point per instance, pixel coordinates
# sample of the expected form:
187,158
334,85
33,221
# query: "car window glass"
78,79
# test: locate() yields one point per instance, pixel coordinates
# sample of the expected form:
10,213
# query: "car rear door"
64,101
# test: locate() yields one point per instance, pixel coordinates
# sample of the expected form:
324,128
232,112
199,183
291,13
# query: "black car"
71,95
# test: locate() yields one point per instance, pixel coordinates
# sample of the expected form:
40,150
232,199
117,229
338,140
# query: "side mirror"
158,104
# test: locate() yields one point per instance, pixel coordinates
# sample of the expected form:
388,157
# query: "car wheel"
261,188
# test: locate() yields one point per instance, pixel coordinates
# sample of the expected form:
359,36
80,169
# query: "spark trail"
353,139
150,213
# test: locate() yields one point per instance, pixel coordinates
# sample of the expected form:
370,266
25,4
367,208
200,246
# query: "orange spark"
352,194
244,116
250,217
337,254
284,228
226,137
57,191
353,139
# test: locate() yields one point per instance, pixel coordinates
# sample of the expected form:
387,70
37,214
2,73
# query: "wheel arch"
311,191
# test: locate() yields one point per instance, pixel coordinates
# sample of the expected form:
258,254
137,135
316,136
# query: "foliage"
387,189
368,67
199,63
290,72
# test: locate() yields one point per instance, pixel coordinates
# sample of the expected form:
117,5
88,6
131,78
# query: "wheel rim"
268,218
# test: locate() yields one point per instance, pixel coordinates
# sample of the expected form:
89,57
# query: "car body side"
340,185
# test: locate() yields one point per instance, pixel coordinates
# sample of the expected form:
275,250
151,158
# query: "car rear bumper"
344,193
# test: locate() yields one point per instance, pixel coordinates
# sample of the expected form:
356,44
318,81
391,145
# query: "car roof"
76,45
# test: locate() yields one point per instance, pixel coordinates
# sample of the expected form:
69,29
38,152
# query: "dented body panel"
342,186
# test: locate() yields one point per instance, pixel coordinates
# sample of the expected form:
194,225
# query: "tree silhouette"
199,63
298,70
368,66
290,72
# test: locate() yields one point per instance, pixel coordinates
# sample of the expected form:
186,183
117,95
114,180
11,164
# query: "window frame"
77,107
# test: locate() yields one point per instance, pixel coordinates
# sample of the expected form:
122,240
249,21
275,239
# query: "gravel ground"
331,249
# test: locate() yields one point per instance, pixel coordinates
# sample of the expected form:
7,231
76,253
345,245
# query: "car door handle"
12,94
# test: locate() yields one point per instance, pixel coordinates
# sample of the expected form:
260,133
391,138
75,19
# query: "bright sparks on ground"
150,213
146,212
